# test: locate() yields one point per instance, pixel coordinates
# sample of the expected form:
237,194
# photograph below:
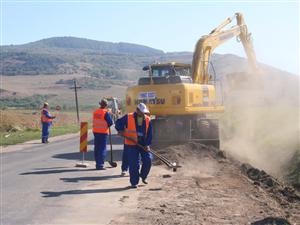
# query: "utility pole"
76,98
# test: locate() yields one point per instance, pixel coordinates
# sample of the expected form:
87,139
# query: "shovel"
173,165
111,162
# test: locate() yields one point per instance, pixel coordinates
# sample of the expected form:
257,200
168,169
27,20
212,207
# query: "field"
18,126
60,94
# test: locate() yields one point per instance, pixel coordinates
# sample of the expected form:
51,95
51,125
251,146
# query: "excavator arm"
207,43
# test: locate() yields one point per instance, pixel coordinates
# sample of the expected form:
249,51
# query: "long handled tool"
169,164
111,162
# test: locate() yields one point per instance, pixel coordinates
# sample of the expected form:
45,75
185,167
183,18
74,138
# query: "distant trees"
68,55
30,102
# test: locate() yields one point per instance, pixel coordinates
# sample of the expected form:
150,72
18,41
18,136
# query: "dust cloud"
261,120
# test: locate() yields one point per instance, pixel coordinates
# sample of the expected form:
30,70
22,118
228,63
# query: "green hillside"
69,55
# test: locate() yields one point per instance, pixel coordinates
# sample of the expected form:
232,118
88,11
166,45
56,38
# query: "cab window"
162,72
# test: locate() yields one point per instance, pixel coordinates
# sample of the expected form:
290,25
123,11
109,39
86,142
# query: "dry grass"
46,85
30,119
23,125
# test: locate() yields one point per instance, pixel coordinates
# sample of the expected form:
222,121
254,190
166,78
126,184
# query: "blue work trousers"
134,153
125,163
45,131
100,149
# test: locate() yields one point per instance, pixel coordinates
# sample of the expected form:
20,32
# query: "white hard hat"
143,108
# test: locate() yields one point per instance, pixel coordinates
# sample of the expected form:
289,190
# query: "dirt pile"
187,153
271,221
284,194
207,189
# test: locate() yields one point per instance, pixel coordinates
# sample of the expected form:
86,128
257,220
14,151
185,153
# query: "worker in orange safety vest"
137,126
46,120
101,122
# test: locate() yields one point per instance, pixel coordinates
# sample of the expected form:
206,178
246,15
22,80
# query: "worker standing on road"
46,120
101,122
137,126
125,163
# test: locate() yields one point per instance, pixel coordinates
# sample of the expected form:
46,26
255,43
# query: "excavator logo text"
149,98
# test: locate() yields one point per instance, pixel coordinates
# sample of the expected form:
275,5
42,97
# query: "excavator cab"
167,73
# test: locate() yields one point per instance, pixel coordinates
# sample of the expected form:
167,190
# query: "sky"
166,25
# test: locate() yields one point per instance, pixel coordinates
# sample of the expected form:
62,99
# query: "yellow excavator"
182,97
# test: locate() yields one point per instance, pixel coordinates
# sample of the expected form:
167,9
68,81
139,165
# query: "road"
41,185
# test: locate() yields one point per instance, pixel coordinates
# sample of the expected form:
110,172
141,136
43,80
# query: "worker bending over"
137,126
46,120
101,122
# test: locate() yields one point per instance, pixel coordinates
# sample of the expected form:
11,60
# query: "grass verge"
293,174
33,134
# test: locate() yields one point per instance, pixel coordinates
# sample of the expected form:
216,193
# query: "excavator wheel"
206,131
180,130
170,131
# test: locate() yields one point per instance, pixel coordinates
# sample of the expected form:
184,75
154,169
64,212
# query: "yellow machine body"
174,99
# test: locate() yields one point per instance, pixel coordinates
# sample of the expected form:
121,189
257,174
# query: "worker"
137,126
101,122
125,164
46,120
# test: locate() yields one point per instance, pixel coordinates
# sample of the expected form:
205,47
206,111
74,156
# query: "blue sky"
169,26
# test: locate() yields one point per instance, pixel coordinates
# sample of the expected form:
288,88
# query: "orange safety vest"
99,122
44,118
131,132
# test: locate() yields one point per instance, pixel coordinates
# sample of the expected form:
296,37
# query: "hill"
70,55
101,65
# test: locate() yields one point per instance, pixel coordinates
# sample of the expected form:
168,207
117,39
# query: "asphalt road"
40,184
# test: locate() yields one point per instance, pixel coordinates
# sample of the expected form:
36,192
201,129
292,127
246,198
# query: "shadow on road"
50,168
47,194
97,178
115,139
89,156
31,143
54,171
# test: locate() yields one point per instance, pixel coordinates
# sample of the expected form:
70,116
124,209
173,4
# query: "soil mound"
280,191
272,221
185,153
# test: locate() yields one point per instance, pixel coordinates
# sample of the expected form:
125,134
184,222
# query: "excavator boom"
207,43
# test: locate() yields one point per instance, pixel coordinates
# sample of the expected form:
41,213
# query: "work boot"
100,168
123,174
133,186
144,181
